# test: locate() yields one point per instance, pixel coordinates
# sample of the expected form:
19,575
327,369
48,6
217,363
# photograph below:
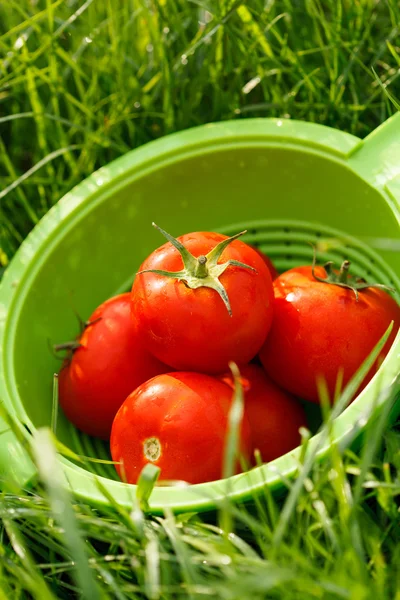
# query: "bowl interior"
285,197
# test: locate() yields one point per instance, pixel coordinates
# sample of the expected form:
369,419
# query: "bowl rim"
331,143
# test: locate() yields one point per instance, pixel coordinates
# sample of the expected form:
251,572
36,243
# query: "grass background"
84,82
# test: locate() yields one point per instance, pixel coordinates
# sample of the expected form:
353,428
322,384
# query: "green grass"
337,535
84,82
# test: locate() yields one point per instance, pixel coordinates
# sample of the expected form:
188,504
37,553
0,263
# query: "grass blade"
51,475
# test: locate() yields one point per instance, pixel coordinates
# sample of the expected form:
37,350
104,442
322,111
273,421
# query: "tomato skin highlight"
110,363
321,328
191,329
186,413
275,416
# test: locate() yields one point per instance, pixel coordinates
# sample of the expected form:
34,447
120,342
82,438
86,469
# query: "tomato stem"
89,323
203,271
343,278
74,345
67,346
344,271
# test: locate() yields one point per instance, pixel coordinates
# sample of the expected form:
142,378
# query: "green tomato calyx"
70,347
343,278
203,271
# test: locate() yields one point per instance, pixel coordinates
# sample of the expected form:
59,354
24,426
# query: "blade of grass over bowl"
343,401
51,475
232,440
373,436
54,408
235,418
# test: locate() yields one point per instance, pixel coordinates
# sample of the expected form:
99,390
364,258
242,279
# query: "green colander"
288,183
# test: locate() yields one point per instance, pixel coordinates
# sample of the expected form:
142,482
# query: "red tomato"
178,422
321,328
271,267
108,365
191,329
275,416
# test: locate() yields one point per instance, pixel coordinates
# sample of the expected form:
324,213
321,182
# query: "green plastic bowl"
287,182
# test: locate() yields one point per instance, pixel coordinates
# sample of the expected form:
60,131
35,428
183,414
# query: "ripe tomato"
199,311
271,267
108,365
275,416
177,421
321,328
